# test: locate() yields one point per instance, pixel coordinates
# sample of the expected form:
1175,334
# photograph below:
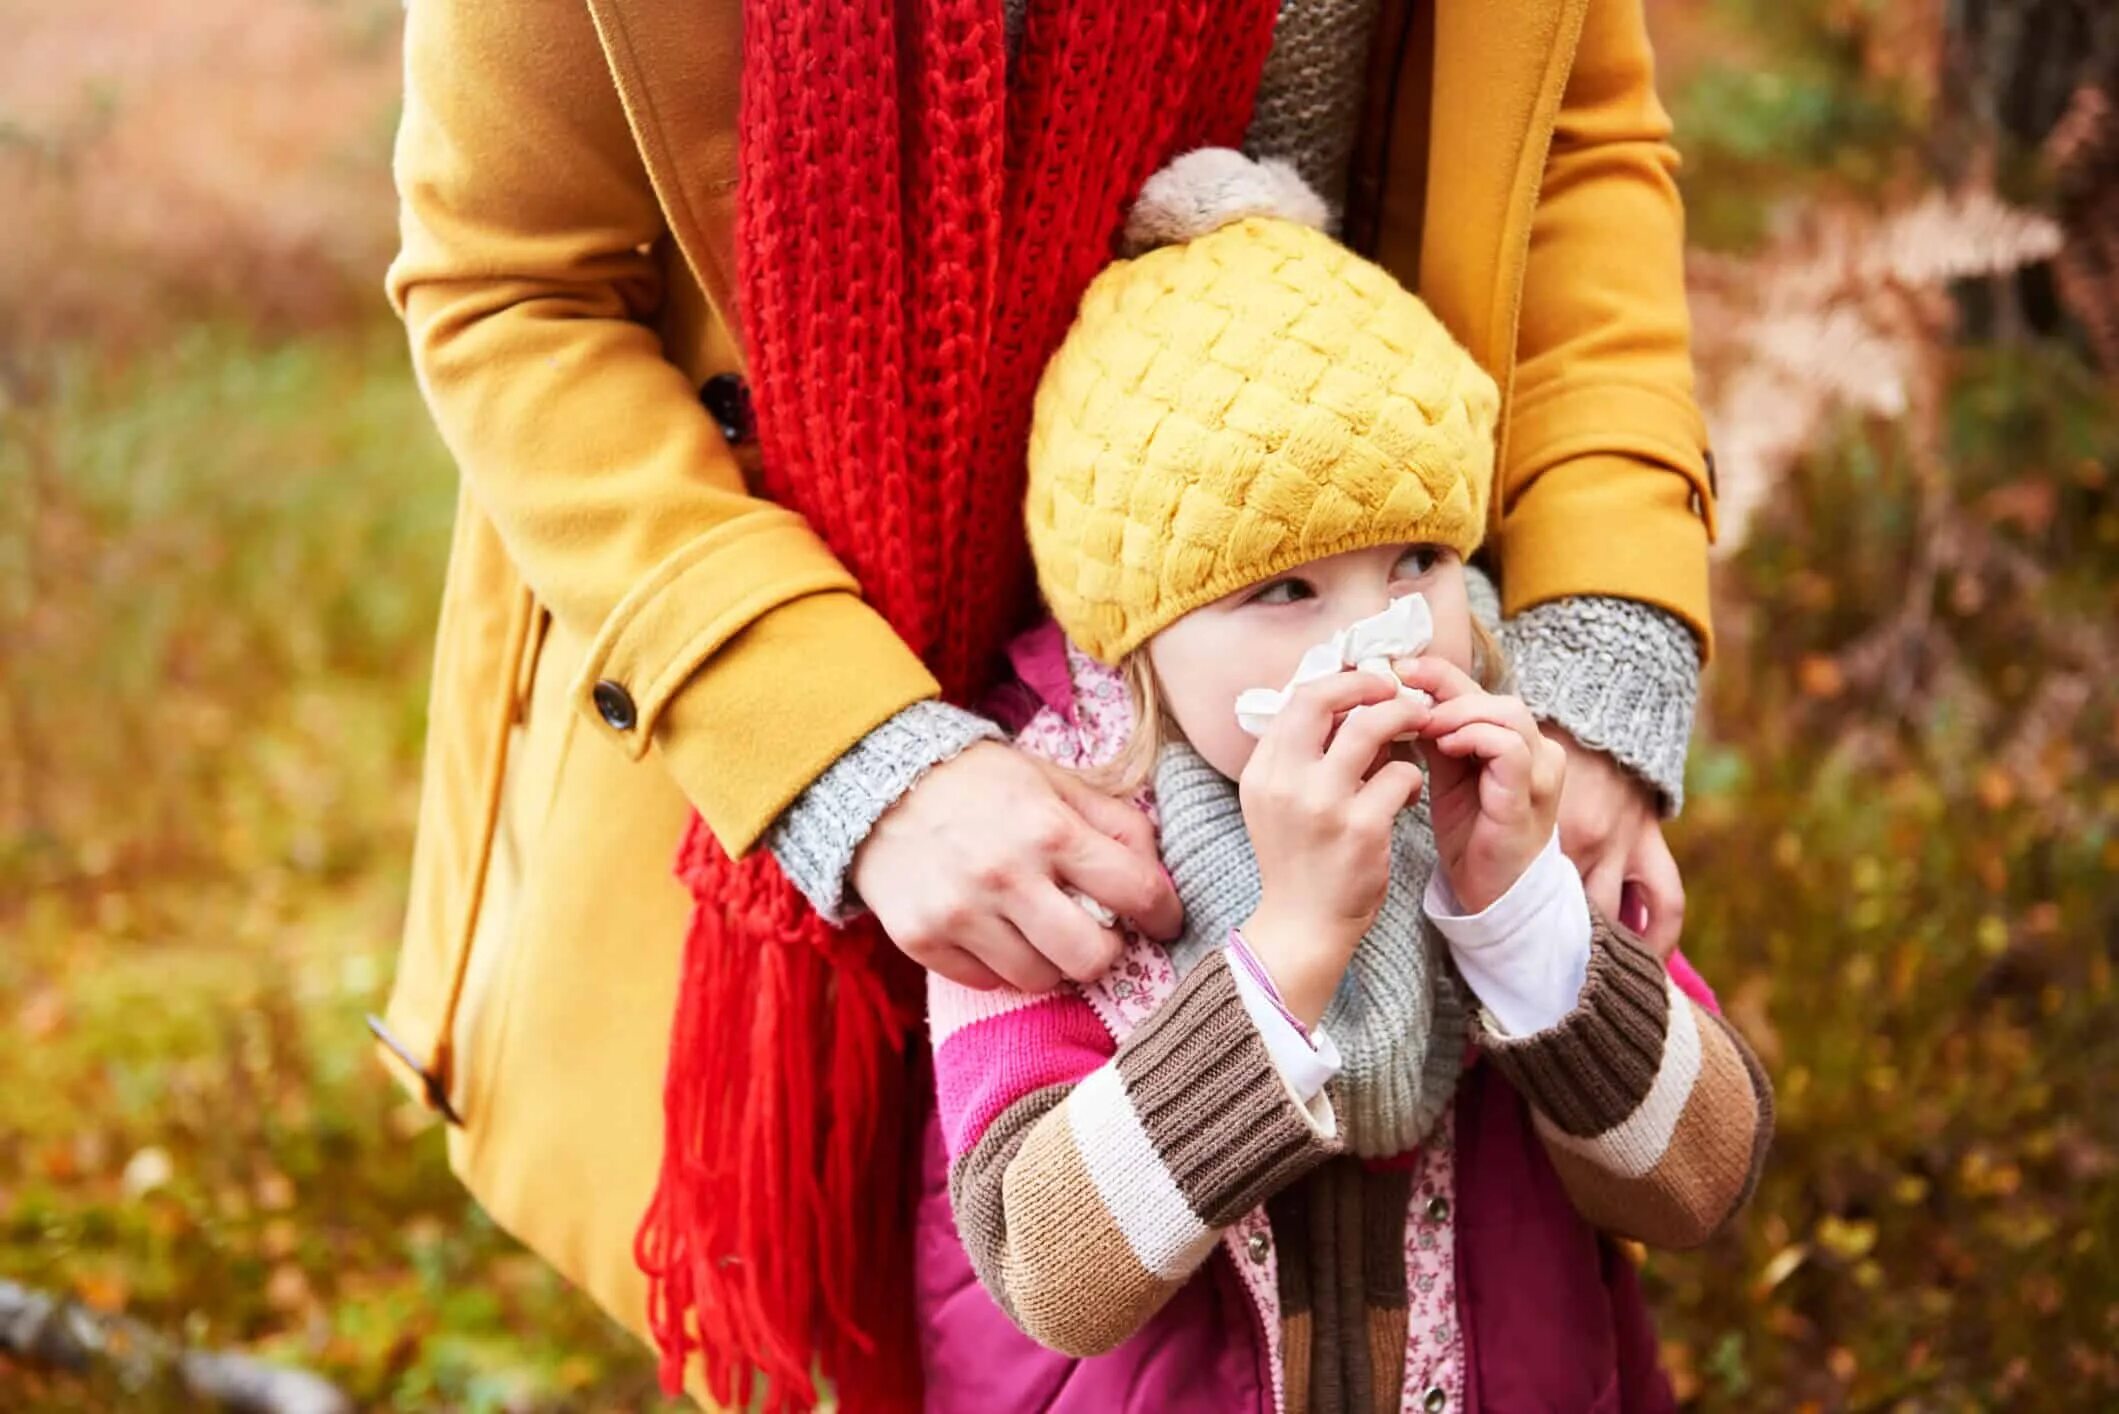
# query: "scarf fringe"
768,1152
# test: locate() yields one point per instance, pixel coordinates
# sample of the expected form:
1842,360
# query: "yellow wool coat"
568,176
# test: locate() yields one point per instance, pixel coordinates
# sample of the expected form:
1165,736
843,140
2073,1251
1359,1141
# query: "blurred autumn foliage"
1902,847
222,520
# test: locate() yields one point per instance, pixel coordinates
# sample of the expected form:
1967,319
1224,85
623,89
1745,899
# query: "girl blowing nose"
1352,1140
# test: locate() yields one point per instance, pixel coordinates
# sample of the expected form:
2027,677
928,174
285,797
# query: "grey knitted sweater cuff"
1620,676
815,838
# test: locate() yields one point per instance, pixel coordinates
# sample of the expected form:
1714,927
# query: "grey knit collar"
1399,1024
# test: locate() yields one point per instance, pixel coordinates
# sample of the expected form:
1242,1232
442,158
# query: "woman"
631,634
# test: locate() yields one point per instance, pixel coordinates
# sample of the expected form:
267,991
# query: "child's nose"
1369,600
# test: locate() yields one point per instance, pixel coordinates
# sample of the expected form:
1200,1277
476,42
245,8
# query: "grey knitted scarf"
1398,1022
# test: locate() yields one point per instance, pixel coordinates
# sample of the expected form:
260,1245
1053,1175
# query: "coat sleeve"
1655,1113
1605,488
1089,1181
528,282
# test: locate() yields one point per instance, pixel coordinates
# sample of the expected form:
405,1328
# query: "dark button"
1438,1209
727,400
615,705
1434,1400
1258,1245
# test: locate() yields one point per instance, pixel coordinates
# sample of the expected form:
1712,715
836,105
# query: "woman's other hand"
1611,829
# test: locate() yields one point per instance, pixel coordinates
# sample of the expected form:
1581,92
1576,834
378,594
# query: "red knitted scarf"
916,226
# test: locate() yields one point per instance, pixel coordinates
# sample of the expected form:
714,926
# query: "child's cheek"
1226,746
1453,643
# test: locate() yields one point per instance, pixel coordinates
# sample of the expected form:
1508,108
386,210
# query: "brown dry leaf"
58,1161
2028,505
107,1291
1820,676
42,1014
1981,1175
1788,1323
517,1273
1844,311
2085,1160
1677,1363
280,1238
1995,787
275,1191
287,1289
2041,1293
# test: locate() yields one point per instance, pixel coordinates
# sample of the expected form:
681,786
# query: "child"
1260,1167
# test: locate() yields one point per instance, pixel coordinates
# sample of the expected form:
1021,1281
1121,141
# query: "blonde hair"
1129,772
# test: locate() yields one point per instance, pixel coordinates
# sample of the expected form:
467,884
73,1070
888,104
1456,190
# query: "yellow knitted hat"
1248,399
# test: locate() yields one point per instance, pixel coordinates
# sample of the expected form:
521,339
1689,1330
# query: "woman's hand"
1611,829
1319,798
1493,781
968,872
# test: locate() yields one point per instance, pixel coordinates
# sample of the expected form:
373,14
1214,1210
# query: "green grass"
219,565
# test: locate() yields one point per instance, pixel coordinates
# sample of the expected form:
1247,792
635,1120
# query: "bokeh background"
223,517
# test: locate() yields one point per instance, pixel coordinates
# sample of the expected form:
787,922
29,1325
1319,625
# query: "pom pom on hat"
1212,187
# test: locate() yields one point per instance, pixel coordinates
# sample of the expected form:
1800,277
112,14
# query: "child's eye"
1417,562
1284,591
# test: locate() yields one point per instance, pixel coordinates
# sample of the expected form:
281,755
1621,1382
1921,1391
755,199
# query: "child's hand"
1493,781
1319,804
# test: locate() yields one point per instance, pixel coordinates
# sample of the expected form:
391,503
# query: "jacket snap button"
1438,1209
1434,1400
615,705
727,400
1258,1246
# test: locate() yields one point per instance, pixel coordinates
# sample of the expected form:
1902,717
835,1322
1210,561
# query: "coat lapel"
679,72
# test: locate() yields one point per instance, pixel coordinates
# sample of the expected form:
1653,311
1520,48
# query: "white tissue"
1368,645
1103,916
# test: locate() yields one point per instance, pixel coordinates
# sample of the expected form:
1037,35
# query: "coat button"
615,705
1435,1400
1438,1209
1258,1245
727,400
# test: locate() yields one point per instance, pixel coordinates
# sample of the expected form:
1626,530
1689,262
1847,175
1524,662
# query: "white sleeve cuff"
1527,953
1307,1063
